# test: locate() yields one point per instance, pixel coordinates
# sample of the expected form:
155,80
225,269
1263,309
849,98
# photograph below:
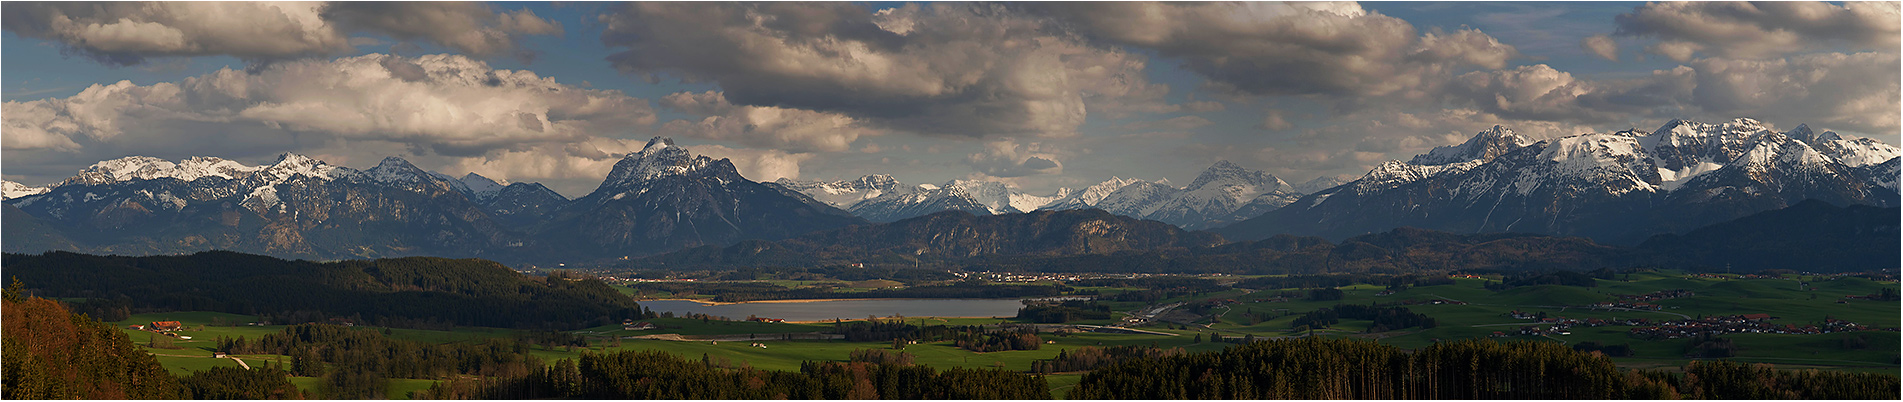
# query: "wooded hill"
417,292
1812,236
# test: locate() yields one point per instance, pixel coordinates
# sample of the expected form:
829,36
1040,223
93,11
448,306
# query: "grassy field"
1483,313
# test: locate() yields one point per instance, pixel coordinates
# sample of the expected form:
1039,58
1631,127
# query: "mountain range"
659,199
1617,188
1224,193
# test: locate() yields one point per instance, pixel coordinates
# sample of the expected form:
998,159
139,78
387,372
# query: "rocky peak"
1483,146
660,158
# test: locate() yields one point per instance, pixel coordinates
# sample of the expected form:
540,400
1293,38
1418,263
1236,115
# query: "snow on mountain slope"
1220,191
1486,145
1615,187
11,190
843,193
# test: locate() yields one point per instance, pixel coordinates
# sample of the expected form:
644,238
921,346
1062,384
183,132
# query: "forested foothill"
414,292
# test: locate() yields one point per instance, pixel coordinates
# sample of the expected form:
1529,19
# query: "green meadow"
1484,312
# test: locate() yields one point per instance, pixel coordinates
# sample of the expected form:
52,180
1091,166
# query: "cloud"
127,33
1843,91
468,27
771,127
1297,48
945,69
1758,30
757,164
1007,158
1179,123
444,104
1602,46
1272,120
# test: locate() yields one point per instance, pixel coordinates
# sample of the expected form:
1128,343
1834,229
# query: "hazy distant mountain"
1222,194
880,198
957,234
1618,188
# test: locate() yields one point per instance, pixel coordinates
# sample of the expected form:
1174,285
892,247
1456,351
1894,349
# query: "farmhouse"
638,326
166,326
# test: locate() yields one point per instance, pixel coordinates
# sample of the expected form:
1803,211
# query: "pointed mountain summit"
1484,146
665,198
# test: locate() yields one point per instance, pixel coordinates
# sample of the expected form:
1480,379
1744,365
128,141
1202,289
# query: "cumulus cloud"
127,33
757,164
445,104
1757,30
1175,123
1844,91
772,127
952,69
1602,46
469,27
1008,158
1272,119
1297,48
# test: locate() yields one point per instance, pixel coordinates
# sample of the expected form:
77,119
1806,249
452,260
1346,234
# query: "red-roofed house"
166,326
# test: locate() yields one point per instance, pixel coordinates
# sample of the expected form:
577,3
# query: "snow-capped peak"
481,185
291,165
659,158
397,170
993,195
1485,145
11,190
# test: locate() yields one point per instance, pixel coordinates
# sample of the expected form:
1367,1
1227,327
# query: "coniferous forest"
1312,368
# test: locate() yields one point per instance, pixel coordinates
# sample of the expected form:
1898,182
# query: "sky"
1040,96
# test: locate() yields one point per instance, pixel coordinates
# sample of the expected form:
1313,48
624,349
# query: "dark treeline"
979,340
400,292
360,360
880,356
1563,278
1720,379
228,383
659,375
1313,368
1385,318
878,330
1091,357
735,292
1065,311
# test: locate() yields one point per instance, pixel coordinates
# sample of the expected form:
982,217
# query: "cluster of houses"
630,325
1732,324
1564,325
1436,302
167,328
1017,277
1659,295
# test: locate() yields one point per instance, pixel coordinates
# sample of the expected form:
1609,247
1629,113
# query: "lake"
845,309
